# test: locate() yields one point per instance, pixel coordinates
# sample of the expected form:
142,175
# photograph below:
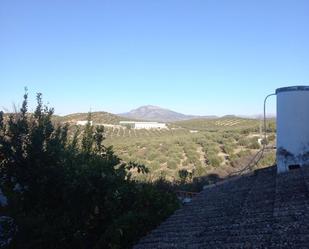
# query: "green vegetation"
97,117
228,123
225,123
72,186
70,190
165,152
202,146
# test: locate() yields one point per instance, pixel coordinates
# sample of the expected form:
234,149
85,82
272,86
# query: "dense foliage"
67,192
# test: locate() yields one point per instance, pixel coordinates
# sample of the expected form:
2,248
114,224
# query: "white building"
143,125
193,131
83,122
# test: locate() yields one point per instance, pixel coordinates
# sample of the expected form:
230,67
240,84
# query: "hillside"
96,117
155,113
204,147
218,147
201,146
223,123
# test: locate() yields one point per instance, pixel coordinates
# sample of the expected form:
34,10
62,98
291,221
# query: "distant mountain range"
159,114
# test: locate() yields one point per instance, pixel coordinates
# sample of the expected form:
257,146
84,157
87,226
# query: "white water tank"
292,127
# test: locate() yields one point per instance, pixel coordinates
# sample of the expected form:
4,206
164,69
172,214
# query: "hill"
155,113
218,146
224,123
96,117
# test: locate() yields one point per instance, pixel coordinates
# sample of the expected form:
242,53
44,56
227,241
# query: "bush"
172,164
214,160
228,148
271,137
155,166
200,171
244,142
241,158
162,159
184,175
254,144
268,159
152,156
72,193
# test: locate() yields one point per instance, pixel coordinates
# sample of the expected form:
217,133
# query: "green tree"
72,193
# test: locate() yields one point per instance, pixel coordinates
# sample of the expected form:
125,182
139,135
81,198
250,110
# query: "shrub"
151,156
271,137
172,164
241,158
72,193
200,171
254,144
244,142
268,159
162,159
184,175
154,166
214,160
228,148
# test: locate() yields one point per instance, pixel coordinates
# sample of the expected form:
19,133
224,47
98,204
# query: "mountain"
155,113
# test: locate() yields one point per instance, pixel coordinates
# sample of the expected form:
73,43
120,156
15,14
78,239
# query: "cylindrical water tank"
292,127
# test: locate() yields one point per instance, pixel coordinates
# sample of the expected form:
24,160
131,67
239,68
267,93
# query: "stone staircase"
261,210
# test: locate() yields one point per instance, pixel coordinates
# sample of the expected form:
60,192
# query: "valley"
204,147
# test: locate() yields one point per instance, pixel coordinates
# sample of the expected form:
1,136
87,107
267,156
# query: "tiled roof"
261,210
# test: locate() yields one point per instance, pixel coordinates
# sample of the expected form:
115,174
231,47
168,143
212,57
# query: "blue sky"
192,56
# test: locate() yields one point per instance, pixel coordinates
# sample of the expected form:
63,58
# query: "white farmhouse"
143,125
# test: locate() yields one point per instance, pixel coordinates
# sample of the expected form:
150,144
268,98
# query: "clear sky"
192,56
